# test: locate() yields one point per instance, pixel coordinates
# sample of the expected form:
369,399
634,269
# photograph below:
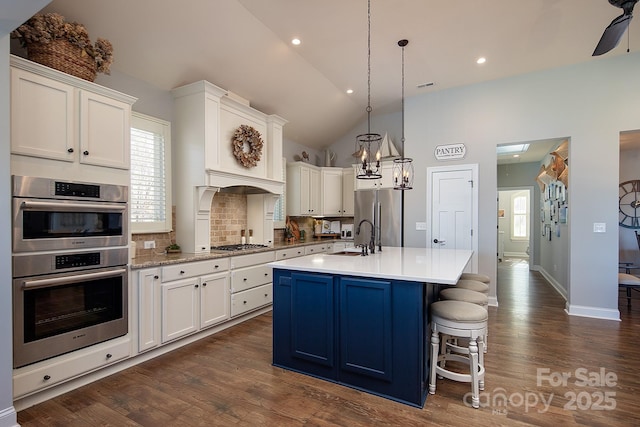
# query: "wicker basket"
61,55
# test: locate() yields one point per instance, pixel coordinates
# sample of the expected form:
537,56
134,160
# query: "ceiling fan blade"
612,34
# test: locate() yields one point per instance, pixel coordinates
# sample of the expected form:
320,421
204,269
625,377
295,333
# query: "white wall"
589,103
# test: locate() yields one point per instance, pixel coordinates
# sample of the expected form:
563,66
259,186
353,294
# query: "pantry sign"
450,151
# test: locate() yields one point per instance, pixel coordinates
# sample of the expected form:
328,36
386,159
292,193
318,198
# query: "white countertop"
442,266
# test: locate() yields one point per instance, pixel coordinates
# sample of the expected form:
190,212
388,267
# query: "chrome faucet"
372,243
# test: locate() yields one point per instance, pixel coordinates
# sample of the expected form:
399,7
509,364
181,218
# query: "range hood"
205,120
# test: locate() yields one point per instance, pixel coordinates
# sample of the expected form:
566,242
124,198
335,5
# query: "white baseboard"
578,310
493,301
9,417
516,254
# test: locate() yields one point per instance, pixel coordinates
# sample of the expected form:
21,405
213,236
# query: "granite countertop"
160,259
428,265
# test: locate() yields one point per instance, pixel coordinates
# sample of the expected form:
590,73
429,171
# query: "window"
150,202
520,216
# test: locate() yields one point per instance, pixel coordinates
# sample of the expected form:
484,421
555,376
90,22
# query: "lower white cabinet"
251,282
318,248
47,373
178,300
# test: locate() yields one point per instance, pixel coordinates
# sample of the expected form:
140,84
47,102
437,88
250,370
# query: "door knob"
438,241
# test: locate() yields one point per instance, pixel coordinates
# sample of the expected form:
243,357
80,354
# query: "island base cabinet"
361,332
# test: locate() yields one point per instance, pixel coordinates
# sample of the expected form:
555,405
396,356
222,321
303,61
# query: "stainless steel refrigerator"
383,208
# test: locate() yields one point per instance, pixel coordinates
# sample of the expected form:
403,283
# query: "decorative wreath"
247,146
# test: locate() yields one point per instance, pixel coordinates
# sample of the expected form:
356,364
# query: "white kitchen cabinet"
331,191
180,308
341,246
386,181
51,372
289,253
303,189
180,299
60,117
318,248
348,186
148,309
251,282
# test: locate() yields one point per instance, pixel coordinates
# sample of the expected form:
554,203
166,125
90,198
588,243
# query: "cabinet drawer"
252,259
315,249
193,269
289,253
250,277
245,301
33,378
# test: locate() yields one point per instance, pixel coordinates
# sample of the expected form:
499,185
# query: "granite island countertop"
160,259
442,266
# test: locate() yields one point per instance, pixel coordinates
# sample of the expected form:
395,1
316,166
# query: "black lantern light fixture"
402,166
368,144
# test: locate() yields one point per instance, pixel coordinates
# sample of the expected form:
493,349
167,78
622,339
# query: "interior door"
452,207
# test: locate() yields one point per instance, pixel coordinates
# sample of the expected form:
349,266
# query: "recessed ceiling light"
516,155
295,42
481,60
349,91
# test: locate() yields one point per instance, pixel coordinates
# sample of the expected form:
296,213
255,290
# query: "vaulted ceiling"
244,46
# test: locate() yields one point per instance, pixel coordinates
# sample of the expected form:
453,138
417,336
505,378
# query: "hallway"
228,378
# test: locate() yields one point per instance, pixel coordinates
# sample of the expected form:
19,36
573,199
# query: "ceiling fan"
613,33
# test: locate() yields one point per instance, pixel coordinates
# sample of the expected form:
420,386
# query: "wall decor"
247,146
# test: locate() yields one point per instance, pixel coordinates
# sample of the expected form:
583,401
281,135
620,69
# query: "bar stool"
458,319
466,295
475,276
473,285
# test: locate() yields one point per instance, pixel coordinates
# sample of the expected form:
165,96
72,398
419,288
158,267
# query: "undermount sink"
347,252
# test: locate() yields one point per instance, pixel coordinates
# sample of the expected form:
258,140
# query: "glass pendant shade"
403,166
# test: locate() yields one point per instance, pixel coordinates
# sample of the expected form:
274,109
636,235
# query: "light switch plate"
599,227
150,244
421,225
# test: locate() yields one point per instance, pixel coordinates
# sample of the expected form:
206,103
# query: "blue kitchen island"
361,321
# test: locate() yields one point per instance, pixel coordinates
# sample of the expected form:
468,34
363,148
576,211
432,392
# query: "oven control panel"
76,190
77,260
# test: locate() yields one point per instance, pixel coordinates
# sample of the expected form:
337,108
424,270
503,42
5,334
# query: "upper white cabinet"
331,191
60,117
303,189
348,186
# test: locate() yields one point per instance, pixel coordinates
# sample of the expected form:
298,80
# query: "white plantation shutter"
150,204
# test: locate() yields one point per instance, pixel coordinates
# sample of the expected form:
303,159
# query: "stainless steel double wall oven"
70,259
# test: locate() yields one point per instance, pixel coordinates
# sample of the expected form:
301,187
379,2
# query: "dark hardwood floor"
228,379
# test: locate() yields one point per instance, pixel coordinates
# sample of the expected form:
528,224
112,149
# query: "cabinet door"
148,309
180,304
366,335
314,192
347,192
42,117
331,191
105,131
312,318
214,299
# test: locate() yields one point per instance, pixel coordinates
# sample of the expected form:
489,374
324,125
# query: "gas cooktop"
238,247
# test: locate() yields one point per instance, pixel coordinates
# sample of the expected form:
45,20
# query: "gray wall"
582,102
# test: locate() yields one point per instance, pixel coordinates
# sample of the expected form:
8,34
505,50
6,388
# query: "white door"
452,208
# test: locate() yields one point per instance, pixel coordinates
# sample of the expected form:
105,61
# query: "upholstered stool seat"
629,282
475,276
465,295
458,319
473,285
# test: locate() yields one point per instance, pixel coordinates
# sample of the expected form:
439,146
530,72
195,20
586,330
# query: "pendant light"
368,144
402,166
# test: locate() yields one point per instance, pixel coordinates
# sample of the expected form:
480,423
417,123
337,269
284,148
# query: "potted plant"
53,42
173,248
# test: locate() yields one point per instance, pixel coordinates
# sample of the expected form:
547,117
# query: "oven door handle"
43,283
73,207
